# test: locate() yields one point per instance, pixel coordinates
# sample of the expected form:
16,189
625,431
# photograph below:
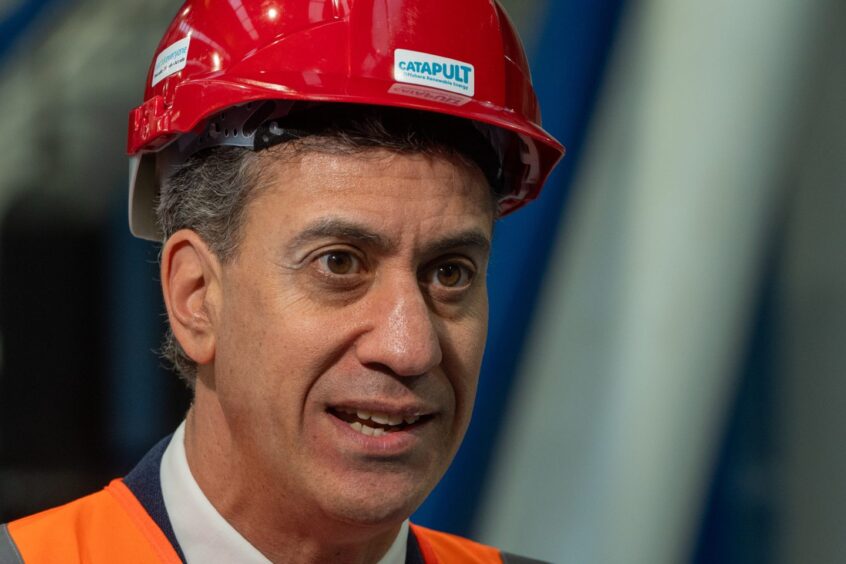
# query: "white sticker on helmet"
423,69
171,60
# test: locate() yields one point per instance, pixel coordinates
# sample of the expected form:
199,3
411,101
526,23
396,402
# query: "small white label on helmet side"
424,69
171,60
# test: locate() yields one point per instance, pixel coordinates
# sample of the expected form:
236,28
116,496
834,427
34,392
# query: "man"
324,177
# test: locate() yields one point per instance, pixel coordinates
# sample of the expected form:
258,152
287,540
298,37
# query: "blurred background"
663,381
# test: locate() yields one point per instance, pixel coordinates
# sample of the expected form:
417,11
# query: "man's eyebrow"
467,239
333,227
337,228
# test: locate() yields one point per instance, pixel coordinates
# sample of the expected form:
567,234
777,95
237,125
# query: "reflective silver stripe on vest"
8,550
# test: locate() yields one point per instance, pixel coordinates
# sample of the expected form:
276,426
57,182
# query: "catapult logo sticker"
423,69
171,60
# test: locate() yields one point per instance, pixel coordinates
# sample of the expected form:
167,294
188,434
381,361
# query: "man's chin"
384,504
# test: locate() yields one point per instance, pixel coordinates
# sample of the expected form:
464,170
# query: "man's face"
350,330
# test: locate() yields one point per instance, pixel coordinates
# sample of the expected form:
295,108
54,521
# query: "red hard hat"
457,57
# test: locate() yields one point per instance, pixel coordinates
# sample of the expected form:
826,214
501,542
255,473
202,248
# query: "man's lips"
376,421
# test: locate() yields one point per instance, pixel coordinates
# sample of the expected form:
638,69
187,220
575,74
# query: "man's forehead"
367,162
379,200
450,179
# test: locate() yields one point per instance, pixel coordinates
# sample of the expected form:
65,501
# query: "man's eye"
452,275
340,263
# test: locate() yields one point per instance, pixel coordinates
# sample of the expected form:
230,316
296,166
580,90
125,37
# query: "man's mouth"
374,423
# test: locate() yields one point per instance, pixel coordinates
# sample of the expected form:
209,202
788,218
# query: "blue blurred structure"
567,69
18,21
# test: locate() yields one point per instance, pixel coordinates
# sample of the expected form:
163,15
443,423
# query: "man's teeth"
381,419
385,418
365,430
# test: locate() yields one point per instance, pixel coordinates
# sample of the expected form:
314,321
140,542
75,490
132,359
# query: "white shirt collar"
203,534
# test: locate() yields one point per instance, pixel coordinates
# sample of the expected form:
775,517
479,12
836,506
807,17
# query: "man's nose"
402,334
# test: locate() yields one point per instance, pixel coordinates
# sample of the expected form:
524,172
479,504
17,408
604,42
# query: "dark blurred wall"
52,383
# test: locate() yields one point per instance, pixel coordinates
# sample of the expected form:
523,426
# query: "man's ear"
190,274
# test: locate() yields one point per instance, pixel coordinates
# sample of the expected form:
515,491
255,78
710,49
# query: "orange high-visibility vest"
113,526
